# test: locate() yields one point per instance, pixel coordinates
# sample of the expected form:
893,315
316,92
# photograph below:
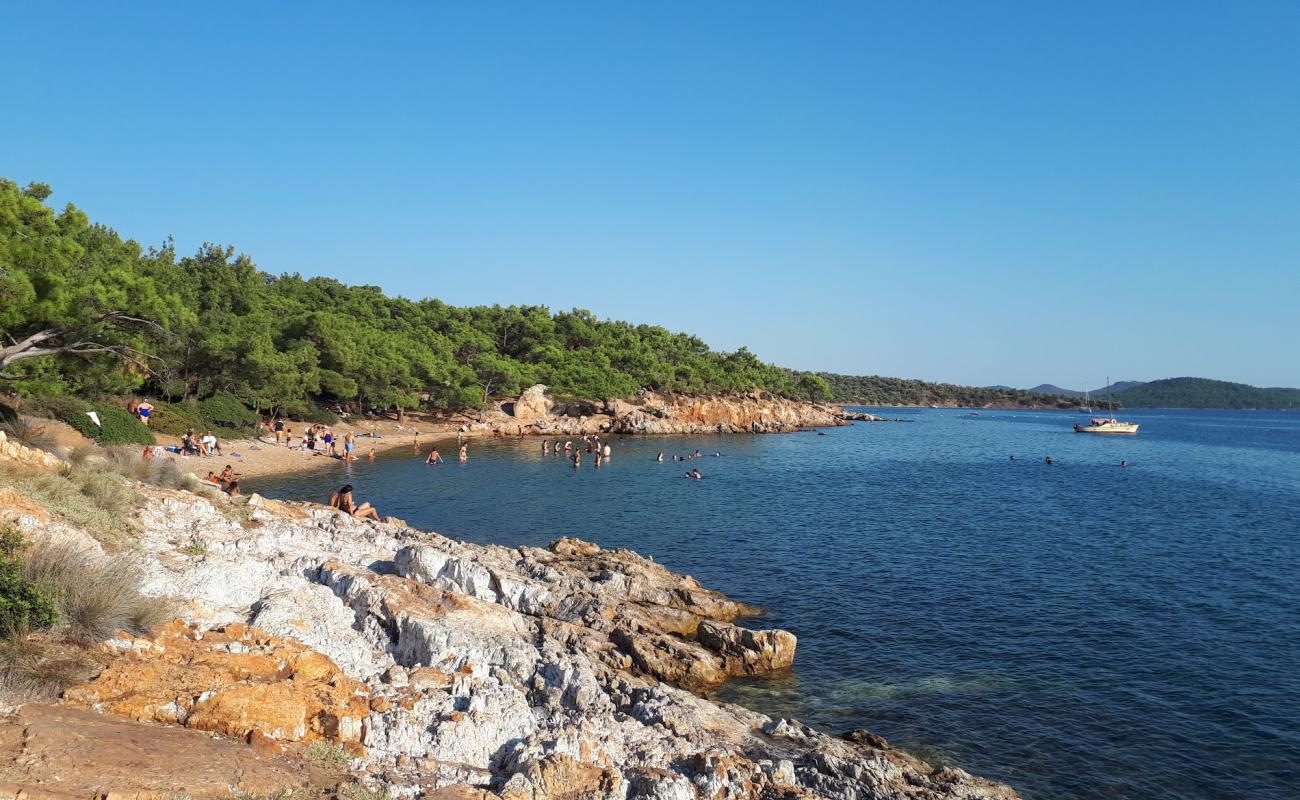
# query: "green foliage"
236,336
174,419
875,390
227,411
54,406
1206,393
117,425
24,604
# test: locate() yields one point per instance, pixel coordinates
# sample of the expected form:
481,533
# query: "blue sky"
982,193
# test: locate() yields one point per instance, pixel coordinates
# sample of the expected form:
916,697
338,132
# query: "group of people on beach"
228,480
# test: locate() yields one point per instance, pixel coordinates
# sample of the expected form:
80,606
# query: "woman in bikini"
342,500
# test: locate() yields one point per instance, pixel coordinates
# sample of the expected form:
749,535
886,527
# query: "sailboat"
1104,424
1086,408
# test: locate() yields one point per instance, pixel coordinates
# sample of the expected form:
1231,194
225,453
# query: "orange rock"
237,680
14,505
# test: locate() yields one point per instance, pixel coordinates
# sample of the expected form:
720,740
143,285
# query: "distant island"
1206,393
1101,391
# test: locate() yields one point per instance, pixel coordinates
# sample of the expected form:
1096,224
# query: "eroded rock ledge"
454,670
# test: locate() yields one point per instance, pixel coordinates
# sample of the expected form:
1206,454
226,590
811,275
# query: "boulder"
237,680
532,404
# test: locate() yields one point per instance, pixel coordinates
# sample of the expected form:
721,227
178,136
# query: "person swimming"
1123,463
1047,460
434,457
694,474
464,453
660,459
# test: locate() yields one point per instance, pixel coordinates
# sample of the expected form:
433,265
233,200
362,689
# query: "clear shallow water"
1077,630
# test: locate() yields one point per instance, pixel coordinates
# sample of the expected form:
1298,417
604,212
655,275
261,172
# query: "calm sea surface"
1077,630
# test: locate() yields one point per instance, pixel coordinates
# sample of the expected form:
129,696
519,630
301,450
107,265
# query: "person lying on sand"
342,500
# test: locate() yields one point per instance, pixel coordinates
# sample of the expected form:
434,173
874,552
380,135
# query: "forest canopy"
85,312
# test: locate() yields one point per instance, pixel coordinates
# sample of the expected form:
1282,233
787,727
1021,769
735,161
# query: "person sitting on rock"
342,500
229,480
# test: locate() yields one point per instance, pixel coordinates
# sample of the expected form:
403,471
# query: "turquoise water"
1078,630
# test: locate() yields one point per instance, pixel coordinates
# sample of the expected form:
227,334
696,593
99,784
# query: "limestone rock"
532,404
747,652
457,669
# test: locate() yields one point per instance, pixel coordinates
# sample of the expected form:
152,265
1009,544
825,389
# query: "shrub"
97,594
227,411
24,604
55,406
319,416
117,425
174,419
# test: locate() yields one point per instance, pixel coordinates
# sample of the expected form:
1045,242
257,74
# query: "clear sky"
977,192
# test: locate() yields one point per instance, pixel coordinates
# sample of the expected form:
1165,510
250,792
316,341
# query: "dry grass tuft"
30,433
41,666
97,594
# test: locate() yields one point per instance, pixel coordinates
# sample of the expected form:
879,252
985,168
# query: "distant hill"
876,390
1116,387
1206,393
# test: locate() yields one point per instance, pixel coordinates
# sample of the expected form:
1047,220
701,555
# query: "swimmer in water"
371,455
660,459
694,475
464,453
434,457
1123,463
1013,456
1048,460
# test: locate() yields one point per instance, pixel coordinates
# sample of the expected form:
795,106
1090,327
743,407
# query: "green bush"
24,604
228,411
174,419
54,406
117,425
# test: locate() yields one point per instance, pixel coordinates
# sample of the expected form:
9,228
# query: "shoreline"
440,668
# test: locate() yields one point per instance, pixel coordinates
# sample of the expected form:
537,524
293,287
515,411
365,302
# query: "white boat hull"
1108,427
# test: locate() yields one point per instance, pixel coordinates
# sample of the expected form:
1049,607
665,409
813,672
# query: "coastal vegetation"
1206,393
877,390
86,313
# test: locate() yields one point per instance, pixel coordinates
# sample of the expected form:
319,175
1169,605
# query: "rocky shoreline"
536,413
435,668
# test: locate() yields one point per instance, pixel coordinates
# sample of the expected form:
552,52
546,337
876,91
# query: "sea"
1079,629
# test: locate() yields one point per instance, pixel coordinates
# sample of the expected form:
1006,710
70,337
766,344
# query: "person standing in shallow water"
464,453
434,457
